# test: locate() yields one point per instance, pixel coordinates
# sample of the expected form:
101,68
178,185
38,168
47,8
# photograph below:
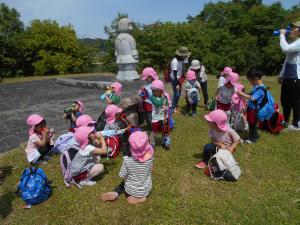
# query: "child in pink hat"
84,166
222,136
115,96
85,120
40,140
149,75
136,171
225,93
111,112
192,97
72,112
226,71
160,117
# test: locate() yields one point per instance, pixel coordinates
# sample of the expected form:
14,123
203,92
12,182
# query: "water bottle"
277,32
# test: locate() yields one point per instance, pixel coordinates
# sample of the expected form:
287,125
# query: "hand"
128,127
178,87
240,93
283,31
45,132
279,80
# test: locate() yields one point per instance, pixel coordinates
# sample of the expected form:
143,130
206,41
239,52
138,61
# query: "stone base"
128,75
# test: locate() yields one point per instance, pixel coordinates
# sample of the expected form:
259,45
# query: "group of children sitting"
156,107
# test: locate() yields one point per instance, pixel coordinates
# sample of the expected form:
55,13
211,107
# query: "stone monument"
126,52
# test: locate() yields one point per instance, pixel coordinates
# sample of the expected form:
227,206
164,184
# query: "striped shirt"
137,176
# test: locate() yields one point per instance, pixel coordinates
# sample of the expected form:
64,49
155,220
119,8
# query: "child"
226,91
192,88
256,96
84,166
239,107
160,107
222,136
40,139
115,96
136,171
111,112
224,74
149,75
85,120
72,112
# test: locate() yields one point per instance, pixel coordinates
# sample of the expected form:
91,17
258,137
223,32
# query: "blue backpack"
34,186
265,109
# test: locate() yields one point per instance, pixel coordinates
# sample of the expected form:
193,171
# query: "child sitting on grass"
149,75
136,171
84,166
40,139
192,88
115,96
255,98
222,136
72,112
160,108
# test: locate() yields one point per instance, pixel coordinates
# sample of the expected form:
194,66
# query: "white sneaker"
293,128
248,142
87,183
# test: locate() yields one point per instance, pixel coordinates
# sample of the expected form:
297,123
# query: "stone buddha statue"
126,52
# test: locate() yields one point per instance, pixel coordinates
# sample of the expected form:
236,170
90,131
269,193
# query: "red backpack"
274,124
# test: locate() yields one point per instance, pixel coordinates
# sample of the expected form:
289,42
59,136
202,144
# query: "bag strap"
264,100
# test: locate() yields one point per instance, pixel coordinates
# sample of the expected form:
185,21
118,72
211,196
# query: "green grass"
268,191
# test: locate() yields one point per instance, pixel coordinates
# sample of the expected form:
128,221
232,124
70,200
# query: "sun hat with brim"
33,120
191,75
82,134
195,65
183,51
218,117
295,24
110,113
158,85
227,70
233,78
140,148
149,71
85,120
81,105
118,88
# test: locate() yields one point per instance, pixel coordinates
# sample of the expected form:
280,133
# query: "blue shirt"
73,123
257,95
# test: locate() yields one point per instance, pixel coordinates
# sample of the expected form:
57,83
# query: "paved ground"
47,98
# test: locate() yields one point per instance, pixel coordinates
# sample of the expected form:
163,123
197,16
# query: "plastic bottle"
277,32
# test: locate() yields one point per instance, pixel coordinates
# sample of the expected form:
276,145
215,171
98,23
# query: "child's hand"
128,127
178,87
240,93
45,132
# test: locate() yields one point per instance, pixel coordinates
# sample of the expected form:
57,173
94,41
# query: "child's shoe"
201,165
194,114
87,183
293,128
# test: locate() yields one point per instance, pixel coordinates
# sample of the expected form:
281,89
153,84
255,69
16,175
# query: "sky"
89,17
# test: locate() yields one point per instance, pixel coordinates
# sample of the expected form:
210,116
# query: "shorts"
251,116
224,107
158,127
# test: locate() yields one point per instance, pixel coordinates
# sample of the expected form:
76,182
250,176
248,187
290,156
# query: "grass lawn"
268,191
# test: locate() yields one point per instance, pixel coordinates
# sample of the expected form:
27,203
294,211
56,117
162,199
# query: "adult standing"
201,78
289,77
179,65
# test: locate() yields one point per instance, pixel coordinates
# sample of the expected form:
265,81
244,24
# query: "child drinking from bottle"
114,97
72,112
40,140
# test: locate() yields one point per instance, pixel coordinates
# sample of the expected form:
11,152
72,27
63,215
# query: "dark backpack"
34,186
100,124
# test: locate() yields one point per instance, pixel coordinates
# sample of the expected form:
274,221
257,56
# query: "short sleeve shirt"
178,66
257,96
225,94
227,138
32,147
115,99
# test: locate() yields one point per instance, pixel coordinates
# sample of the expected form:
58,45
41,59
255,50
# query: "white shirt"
202,74
178,66
291,67
221,81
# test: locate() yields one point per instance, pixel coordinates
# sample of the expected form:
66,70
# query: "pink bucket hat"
149,71
80,103
218,117
233,78
33,120
191,75
82,134
140,147
169,99
110,113
227,70
158,84
118,88
84,120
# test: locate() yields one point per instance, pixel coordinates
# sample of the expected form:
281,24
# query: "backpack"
100,124
64,142
222,166
113,146
65,162
34,186
193,95
238,122
265,109
211,104
274,124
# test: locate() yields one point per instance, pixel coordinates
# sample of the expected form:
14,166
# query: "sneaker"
194,115
293,128
249,142
201,165
87,183
187,115
285,124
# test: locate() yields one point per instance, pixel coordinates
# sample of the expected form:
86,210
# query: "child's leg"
252,120
95,171
45,150
208,151
111,196
188,107
148,118
194,109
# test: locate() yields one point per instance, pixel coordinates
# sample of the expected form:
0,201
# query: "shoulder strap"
264,100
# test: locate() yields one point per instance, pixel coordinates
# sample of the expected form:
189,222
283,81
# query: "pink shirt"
32,147
227,138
